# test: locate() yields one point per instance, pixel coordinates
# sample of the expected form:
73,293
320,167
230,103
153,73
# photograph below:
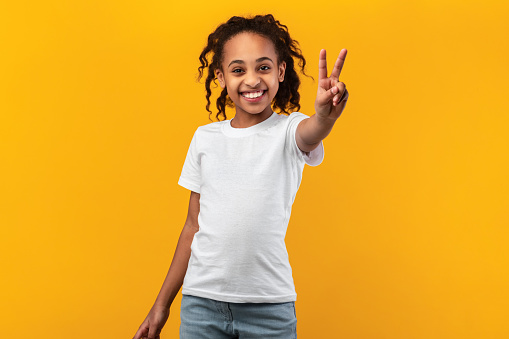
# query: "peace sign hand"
332,94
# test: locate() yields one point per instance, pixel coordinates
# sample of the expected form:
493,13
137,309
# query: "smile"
252,95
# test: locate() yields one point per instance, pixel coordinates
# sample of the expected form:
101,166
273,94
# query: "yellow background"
402,231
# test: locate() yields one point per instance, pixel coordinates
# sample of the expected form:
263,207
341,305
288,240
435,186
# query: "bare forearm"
178,268
313,130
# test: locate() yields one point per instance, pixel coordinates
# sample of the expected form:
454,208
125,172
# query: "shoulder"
212,127
293,119
207,134
298,116
293,116
209,129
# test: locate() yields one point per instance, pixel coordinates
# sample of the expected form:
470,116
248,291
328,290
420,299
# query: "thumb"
142,332
326,97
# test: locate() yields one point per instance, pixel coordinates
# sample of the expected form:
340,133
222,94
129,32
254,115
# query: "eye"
237,70
264,68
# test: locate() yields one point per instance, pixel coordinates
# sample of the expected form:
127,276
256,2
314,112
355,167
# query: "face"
250,73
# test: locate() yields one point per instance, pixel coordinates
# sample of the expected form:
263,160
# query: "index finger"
338,66
322,65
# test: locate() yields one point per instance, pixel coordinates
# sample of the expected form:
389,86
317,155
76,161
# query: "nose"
252,79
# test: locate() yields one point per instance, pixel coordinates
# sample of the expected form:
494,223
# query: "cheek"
275,85
230,89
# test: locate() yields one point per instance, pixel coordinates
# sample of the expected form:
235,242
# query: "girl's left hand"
332,94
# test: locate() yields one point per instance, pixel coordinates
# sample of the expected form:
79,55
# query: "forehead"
248,46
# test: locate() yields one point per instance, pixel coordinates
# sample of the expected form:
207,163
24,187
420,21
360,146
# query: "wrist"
325,123
164,301
325,119
162,305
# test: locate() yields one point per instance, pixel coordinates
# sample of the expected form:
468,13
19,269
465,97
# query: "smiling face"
251,73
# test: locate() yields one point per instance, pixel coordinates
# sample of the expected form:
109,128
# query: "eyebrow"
257,60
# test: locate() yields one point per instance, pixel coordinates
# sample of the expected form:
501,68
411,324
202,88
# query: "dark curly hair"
287,97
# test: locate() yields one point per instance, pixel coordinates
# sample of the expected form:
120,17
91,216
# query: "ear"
220,77
282,69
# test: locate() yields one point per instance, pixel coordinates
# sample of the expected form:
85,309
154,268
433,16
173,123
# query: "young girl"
243,175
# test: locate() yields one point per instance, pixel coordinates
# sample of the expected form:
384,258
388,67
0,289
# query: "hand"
332,94
153,323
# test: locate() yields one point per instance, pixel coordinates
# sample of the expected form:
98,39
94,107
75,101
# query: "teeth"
252,95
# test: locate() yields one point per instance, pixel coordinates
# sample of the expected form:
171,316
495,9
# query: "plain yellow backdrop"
402,231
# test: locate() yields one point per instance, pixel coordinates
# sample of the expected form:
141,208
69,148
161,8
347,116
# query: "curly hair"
287,97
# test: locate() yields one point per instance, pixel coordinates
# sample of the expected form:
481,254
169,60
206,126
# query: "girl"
243,174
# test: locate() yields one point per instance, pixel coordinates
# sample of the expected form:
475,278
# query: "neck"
245,120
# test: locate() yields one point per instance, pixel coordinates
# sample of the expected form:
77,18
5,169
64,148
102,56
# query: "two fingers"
338,65
337,92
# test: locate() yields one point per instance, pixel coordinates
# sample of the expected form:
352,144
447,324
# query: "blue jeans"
203,318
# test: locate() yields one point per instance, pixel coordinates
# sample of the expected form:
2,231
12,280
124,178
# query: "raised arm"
330,102
158,315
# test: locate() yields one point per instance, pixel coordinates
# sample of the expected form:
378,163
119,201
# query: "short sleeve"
313,158
190,177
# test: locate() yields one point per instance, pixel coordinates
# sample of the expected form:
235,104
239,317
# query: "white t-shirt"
247,179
